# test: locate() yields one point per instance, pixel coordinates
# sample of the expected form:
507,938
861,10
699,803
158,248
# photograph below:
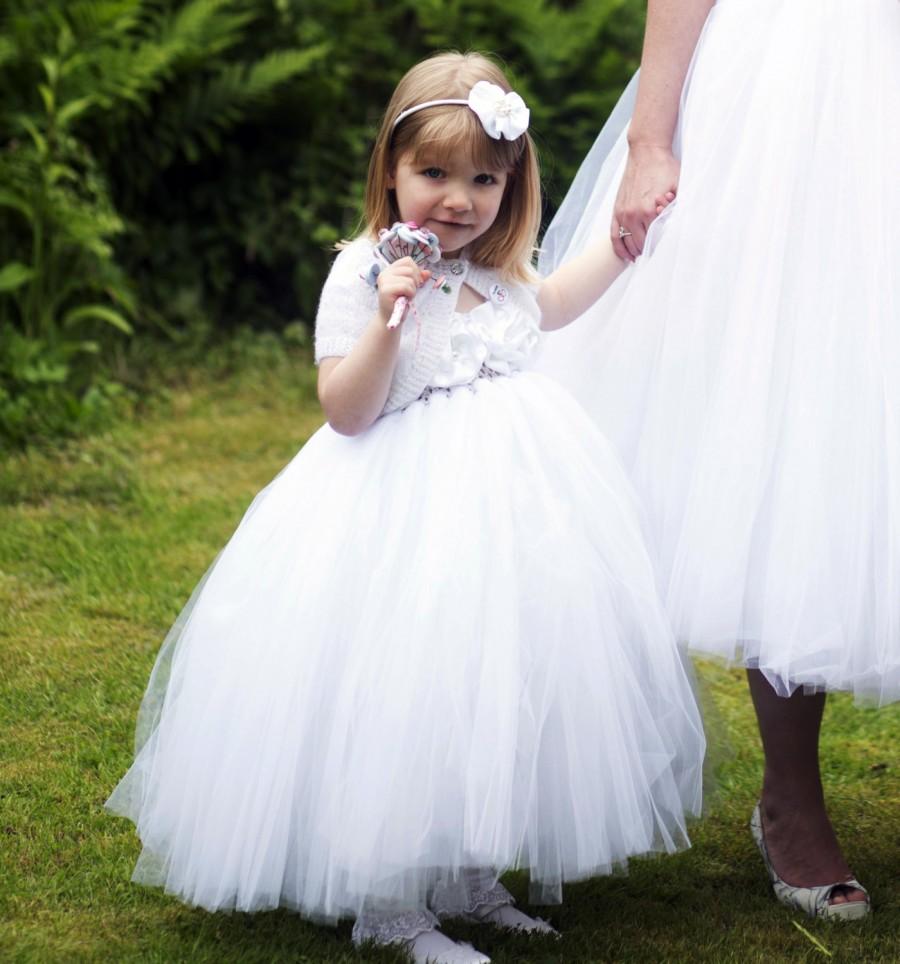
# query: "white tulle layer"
434,646
748,368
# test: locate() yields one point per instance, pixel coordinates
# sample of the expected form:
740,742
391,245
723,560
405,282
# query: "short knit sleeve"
347,303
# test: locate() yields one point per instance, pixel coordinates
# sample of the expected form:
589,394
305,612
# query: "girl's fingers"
409,269
407,290
663,201
398,287
398,273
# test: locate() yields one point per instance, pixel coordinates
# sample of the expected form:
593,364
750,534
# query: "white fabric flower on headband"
501,114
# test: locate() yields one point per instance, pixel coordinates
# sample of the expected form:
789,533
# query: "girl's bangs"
443,131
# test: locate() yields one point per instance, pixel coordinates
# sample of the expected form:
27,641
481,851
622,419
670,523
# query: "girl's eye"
433,172
485,179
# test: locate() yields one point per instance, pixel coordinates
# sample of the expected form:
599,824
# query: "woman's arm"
354,388
568,293
673,27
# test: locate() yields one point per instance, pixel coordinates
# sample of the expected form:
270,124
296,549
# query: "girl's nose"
457,200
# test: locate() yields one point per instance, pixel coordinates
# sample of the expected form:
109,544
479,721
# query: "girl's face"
448,196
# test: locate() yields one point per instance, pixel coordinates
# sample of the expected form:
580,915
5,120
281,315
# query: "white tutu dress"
427,650
747,367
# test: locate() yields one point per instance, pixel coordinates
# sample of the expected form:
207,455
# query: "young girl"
433,649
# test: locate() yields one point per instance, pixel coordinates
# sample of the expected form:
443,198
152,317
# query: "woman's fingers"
618,241
639,232
628,237
631,229
649,184
625,230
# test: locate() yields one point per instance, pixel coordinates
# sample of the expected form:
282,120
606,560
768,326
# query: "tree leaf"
101,313
17,203
88,347
14,274
61,172
51,68
68,112
47,97
40,142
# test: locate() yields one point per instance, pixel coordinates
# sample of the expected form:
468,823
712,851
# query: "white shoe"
511,919
814,901
433,947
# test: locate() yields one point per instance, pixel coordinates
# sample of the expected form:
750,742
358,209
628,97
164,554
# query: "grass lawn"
101,544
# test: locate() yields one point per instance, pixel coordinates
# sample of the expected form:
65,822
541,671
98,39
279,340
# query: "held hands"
400,279
649,185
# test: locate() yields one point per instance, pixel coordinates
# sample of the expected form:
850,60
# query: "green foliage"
243,233
82,75
46,391
178,168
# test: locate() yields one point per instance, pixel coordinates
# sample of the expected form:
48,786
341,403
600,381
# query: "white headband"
501,114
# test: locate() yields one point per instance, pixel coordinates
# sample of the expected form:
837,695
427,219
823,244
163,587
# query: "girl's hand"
651,177
400,279
664,201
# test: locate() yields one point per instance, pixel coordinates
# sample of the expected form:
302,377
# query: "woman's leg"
799,837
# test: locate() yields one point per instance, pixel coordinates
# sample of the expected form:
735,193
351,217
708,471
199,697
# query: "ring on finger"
623,232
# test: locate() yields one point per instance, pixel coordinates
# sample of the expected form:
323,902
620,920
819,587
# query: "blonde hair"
509,243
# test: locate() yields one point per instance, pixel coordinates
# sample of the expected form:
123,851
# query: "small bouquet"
403,240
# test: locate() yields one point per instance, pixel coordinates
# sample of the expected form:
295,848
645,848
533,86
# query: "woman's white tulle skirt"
434,646
747,368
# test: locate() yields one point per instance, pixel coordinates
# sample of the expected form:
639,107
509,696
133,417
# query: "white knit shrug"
348,303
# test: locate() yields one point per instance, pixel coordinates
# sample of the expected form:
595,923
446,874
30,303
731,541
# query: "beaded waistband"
429,390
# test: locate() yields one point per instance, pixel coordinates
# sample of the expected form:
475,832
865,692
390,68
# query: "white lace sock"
510,918
474,889
433,947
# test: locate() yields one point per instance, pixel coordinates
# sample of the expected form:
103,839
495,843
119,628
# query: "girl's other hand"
400,279
651,175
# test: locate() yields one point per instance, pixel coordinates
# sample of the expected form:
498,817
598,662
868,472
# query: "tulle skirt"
747,368
434,646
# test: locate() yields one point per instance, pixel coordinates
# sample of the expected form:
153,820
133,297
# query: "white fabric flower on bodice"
502,339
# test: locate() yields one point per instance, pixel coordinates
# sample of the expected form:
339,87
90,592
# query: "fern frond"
208,109
129,49
132,75
102,21
205,27
279,66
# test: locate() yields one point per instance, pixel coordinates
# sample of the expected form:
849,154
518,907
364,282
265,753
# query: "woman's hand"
649,184
400,279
